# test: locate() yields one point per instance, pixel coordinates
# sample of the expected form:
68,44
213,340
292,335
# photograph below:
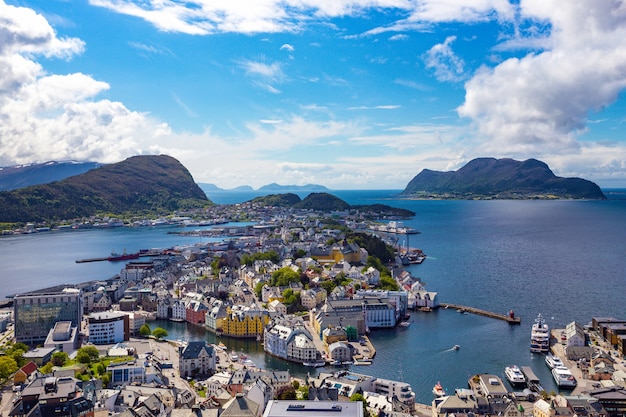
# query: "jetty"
533,380
509,318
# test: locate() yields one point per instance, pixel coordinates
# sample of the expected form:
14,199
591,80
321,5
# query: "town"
310,286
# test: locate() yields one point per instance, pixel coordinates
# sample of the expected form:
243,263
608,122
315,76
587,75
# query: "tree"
7,366
159,333
258,288
144,330
87,354
359,397
284,276
59,358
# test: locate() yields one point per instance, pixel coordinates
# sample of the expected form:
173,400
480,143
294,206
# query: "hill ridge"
501,178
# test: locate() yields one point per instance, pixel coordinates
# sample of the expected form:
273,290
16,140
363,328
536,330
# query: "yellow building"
242,321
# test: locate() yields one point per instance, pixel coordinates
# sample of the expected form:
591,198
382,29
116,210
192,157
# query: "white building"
108,327
288,339
179,310
63,337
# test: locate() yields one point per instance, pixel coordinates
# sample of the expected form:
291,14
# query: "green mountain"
501,178
139,185
329,202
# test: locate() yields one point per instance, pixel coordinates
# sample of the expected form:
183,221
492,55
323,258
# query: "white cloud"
287,47
380,107
203,17
398,37
446,65
54,116
540,103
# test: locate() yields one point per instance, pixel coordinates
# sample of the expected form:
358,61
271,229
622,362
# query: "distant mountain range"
139,185
272,188
501,178
19,176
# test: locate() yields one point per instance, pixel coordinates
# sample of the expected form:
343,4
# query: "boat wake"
453,348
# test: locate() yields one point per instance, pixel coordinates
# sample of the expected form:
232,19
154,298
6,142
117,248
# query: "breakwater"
509,318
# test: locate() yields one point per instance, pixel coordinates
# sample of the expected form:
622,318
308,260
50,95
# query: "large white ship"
540,336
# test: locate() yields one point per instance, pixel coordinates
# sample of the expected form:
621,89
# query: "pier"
509,318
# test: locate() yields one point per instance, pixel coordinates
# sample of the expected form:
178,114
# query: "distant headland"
490,178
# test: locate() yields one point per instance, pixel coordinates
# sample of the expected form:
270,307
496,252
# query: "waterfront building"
289,408
340,351
244,321
462,402
179,310
108,327
215,315
332,335
287,338
36,313
399,299
196,358
164,308
575,335
195,312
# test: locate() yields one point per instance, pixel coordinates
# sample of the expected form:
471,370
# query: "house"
22,374
196,358
241,406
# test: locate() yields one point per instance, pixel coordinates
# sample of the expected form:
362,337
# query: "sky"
350,94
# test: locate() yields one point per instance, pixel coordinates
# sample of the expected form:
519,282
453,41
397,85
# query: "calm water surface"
564,259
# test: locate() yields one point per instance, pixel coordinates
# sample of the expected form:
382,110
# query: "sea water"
564,259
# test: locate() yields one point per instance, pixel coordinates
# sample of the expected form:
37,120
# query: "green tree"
284,276
258,289
59,358
388,283
7,366
359,397
144,330
83,357
303,393
159,333
87,354
100,368
47,368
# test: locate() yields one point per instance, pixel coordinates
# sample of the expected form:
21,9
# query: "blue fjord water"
564,259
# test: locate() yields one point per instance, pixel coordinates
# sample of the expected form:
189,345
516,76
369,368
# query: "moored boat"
563,377
314,364
438,390
515,376
540,336
553,361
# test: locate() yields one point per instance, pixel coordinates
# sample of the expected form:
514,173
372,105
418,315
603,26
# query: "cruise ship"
540,336
563,377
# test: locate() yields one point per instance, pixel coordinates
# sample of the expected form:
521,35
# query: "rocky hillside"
138,185
501,178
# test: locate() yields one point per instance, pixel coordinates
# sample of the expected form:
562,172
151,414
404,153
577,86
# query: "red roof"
29,368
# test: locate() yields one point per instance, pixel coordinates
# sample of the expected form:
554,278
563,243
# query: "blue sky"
351,94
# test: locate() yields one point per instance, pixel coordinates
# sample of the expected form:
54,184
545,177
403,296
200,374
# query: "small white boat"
404,323
456,347
553,361
314,364
515,376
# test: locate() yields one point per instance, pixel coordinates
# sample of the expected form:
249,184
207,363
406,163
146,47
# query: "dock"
509,318
533,380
